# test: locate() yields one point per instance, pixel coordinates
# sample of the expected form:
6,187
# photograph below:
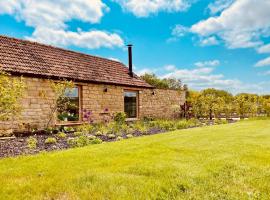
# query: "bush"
141,127
82,141
61,135
164,125
96,141
68,129
182,124
79,141
129,136
50,140
78,133
98,133
120,118
92,137
111,136
86,128
119,138
32,143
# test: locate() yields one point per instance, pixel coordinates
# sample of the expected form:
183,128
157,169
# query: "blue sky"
206,43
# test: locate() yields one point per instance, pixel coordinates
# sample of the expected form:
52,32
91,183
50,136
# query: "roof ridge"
60,48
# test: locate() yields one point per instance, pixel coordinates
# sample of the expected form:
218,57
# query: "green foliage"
50,140
120,118
68,129
82,141
61,135
11,91
140,126
79,133
79,141
167,83
95,141
166,125
111,136
86,128
32,143
59,89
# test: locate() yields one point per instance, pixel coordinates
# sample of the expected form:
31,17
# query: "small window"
69,106
130,102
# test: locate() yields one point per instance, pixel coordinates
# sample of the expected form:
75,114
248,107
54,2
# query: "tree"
246,104
166,83
60,89
11,91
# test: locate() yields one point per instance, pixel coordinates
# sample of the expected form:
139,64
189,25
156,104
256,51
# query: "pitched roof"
35,59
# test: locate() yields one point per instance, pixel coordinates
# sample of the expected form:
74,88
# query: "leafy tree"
11,91
246,104
166,83
60,89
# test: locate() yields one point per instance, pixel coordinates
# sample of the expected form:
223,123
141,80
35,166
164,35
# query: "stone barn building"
102,86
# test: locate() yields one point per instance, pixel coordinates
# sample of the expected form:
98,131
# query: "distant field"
220,162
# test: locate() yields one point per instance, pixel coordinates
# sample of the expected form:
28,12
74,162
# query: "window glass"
68,106
130,102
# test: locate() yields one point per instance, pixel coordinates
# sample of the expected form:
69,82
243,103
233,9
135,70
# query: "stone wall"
102,100
35,108
160,103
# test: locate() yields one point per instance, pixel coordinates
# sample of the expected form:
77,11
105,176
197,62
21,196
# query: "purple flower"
106,109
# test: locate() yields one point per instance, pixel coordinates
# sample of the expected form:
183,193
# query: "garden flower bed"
89,134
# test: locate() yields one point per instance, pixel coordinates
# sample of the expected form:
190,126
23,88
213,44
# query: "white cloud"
264,49
209,41
240,25
263,63
210,63
219,6
49,19
202,78
92,39
170,67
144,8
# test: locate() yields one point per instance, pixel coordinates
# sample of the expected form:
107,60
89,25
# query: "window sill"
131,119
69,123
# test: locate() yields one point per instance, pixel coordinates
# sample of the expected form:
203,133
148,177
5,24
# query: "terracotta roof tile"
34,59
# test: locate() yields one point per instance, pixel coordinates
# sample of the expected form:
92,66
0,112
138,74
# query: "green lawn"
219,162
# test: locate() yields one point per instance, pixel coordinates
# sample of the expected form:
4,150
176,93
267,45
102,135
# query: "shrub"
32,143
86,128
99,133
68,129
164,125
78,141
61,135
91,137
120,118
182,124
78,133
82,141
96,141
119,138
50,140
140,126
111,136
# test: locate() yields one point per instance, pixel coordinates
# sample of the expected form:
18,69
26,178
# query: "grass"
220,162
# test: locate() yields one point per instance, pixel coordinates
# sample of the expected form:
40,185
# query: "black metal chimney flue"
130,60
